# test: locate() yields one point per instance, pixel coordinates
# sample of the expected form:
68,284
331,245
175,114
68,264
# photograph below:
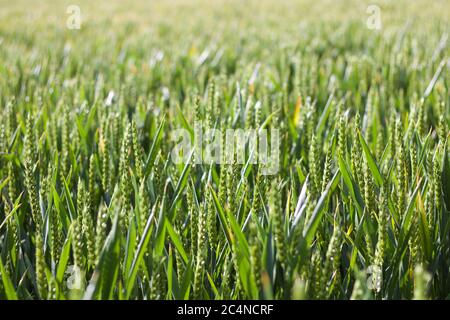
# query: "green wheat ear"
232,177
249,113
88,231
65,144
430,196
342,138
192,219
356,154
442,126
137,152
437,185
30,180
400,169
383,222
105,156
211,221
413,162
331,271
315,289
3,142
77,228
201,251
256,202
369,189
222,195
91,192
211,105
144,205
255,246
226,277
57,235
313,166
326,178
124,174
276,214
41,278
100,230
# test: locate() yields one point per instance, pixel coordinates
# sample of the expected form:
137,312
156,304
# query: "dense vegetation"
92,206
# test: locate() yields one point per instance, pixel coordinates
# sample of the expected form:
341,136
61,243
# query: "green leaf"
106,273
153,148
325,114
7,284
16,206
70,205
139,254
222,218
318,212
182,181
160,230
176,241
446,179
63,259
3,184
371,161
424,230
435,78
351,184
213,286
237,232
170,275
186,285
131,244
410,209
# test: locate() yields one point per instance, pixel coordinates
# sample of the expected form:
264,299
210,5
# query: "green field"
354,96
